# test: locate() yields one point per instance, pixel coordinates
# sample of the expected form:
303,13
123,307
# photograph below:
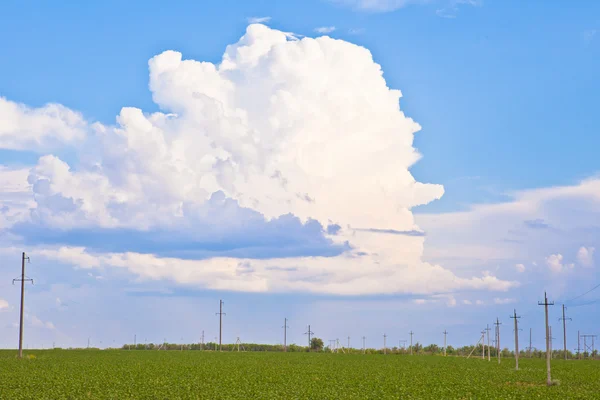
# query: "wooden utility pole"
516,339
445,333
220,314
498,323
548,355
22,280
411,342
285,326
488,329
564,320
578,345
384,348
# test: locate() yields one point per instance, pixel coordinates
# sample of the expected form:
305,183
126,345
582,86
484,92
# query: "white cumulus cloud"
585,256
25,128
280,126
520,267
555,263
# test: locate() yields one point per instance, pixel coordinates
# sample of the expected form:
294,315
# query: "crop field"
118,374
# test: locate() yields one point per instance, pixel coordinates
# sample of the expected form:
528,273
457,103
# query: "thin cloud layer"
325,29
306,128
544,238
378,5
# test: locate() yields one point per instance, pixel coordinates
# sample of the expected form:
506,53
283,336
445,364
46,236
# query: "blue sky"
506,95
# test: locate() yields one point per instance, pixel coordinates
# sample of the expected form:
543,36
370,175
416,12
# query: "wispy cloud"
258,20
589,35
325,29
536,224
356,31
451,10
504,301
378,5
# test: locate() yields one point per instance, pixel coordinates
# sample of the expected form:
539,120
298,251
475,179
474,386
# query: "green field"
117,374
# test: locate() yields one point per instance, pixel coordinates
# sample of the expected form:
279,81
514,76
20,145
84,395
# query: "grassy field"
83,374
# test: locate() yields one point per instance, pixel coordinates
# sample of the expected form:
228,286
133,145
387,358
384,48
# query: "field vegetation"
119,374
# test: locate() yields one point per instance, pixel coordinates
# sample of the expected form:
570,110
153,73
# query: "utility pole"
488,329
22,280
364,338
530,348
384,349
498,323
309,333
586,348
564,320
516,318
134,341
402,343
285,326
551,343
411,343
348,344
546,304
220,314
445,333
483,344
88,343
202,342
578,346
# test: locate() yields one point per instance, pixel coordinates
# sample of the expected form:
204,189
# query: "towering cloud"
304,128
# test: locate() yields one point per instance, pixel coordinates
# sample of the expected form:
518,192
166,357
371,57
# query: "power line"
585,304
581,295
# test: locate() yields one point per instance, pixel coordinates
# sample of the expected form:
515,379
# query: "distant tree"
316,344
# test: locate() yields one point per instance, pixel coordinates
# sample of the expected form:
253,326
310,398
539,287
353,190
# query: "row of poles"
549,338
23,279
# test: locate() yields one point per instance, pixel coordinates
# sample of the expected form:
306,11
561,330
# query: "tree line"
317,345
